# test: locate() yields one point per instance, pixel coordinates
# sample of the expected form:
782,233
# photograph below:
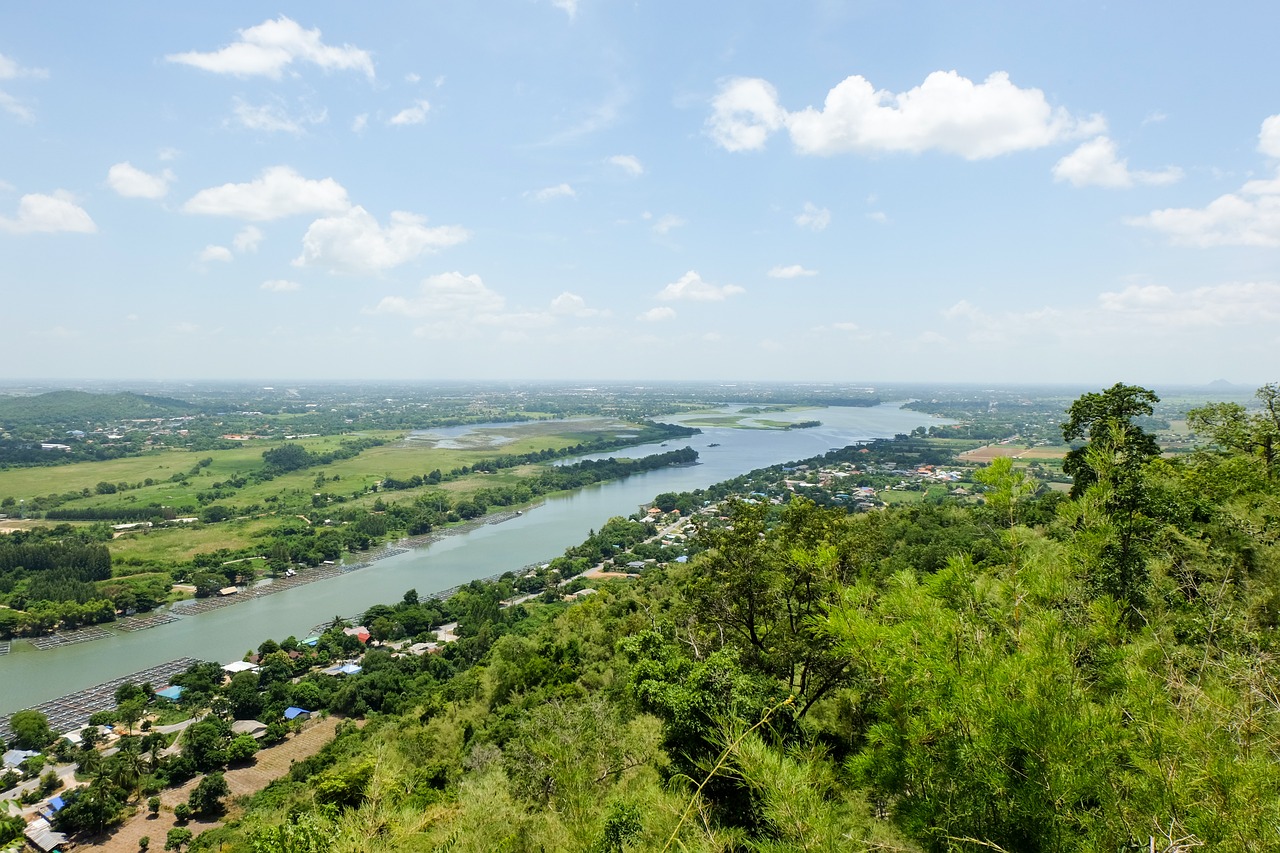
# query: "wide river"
29,676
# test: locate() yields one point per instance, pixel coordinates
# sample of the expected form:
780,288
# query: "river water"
29,676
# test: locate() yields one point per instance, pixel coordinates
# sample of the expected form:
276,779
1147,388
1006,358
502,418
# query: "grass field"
165,545
735,422
995,451
350,478
25,483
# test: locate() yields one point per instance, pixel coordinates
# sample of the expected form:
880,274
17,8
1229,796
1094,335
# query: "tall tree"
1108,415
1233,428
1113,519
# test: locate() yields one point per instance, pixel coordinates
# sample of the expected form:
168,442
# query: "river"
29,676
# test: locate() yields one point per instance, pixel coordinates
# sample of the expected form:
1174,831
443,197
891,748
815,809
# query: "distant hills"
83,408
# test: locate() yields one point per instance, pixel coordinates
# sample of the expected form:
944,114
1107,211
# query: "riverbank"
70,712
478,549
194,607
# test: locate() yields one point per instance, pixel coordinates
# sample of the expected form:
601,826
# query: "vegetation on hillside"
1034,673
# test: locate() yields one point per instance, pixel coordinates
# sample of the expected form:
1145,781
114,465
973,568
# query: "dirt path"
270,765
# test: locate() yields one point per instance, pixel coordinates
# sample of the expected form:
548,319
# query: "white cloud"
813,217
11,70
48,214
453,306
15,108
946,113
131,182
1250,217
247,239
628,163
57,332
597,118
412,78
690,286
792,271
572,305
1095,163
1269,136
445,296
280,285
272,118
570,7
354,242
216,253
277,193
667,223
270,47
359,123
1138,312
416,114
657,315
878,216
549,193
1221,305
745,113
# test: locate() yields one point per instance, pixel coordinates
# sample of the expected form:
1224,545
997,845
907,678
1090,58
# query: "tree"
288,457
1006,486
153,806
205,743
206,798
144,843
242,693
1231,427
1108,415
301,834
241,749
90,809
760,593
1112,520
30,730
131,710
177,838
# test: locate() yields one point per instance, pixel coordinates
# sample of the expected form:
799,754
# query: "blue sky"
994,192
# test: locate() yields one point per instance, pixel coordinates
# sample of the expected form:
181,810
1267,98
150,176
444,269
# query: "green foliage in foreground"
1096,677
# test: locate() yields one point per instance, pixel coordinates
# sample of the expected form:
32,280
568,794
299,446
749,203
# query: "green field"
288,494
170,545
25,483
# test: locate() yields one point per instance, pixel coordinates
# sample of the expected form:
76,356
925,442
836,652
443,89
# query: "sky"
584,189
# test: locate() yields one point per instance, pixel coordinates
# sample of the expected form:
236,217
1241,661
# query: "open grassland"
995,451
736,422
891,497
288,494
172,545
731,421
159,465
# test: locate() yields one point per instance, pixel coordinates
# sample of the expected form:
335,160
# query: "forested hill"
1092,673
81,409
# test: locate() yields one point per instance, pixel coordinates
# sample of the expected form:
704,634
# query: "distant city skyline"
575,189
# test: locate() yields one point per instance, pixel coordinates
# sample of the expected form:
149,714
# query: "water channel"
29,676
